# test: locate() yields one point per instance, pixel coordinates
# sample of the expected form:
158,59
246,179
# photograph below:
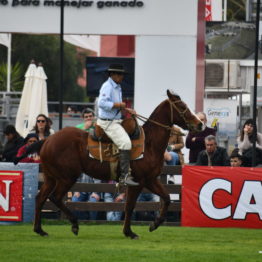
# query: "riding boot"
125,177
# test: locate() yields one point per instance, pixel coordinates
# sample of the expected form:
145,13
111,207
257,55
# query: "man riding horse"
110,105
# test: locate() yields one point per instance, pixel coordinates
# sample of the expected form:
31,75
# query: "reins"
172,104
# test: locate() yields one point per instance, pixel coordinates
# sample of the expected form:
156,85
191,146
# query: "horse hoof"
132,235
152,226
75,230
41,233
135,237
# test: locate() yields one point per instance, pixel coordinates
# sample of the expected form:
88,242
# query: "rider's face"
117,77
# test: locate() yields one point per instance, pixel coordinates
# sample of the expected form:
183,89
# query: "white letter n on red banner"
4,202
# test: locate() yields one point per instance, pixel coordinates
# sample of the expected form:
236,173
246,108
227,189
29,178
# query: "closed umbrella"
38,103
23,109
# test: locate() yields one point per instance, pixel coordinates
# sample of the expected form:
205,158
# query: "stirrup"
127,181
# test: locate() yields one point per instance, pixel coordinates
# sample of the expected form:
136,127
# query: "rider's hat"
116,68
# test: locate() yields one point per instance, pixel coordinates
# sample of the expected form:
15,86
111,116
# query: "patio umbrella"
23,109
38,103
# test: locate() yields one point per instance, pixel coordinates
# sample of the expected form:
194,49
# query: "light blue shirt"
109,94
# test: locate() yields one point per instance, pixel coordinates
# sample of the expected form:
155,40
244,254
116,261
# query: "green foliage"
236,10
16,81
46,49
106,243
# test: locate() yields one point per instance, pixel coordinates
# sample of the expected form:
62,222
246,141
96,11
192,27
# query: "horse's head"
182,116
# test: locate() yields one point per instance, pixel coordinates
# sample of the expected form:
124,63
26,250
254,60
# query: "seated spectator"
32,158
42,127
176,143
72,111
196,141
86,197
146,215
116,198
88,117
1,151
245,143
235,158
213,155
14,142
173,155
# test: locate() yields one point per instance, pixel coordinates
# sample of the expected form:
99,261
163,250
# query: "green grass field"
101,243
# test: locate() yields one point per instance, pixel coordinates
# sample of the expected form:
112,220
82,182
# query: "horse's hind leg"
157,188
57,198
132,194
41,197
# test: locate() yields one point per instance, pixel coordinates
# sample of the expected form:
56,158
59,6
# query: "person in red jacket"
29,140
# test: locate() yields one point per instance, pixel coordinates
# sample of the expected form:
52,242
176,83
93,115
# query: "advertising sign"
127,17
11,195
222,115
208,10
222,197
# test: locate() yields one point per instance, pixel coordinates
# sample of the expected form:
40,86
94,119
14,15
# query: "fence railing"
173,189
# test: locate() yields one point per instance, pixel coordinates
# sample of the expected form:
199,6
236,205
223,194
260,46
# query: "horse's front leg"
132,194
157,188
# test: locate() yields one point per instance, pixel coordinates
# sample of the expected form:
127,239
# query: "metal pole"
225,11
9,63
255,85
61,89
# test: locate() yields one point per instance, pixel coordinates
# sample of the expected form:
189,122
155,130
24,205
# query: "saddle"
102,148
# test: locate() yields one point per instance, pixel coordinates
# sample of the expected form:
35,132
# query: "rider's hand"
130,111
120,105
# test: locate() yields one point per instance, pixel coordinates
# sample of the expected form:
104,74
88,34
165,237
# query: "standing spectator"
245,143
14,142
196,141
42,127
213,155
86,196
88,117
32,158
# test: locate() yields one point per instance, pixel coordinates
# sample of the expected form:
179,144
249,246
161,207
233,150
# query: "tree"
45,49
17,81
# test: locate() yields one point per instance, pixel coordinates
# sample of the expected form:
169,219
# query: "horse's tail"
34,148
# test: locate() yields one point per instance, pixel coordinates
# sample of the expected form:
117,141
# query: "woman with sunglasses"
42,127
32,158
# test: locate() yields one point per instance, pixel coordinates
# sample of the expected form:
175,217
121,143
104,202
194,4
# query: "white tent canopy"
34,99
38,103
23,109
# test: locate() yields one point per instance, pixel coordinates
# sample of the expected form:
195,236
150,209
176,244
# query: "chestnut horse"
65,156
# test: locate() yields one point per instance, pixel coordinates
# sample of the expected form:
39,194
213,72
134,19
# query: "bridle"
173,105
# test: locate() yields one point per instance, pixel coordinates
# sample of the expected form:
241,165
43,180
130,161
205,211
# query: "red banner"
222,197
208,10
11,195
